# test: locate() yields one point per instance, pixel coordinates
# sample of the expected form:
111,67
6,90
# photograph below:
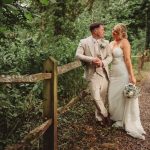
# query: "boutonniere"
102,45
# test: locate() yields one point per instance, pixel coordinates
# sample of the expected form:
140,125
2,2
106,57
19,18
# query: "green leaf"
3,29
44,2
28,16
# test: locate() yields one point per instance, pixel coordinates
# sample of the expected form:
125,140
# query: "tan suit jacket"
86,52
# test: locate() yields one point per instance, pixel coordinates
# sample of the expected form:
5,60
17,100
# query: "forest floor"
78,129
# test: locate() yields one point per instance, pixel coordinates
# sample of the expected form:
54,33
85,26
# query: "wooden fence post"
50,104
139,62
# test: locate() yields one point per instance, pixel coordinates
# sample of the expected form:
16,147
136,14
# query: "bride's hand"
132,79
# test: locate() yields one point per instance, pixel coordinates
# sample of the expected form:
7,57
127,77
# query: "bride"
123,111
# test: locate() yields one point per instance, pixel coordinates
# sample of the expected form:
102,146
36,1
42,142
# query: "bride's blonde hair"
121,30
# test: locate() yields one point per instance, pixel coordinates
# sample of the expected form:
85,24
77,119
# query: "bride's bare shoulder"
125,41
125,44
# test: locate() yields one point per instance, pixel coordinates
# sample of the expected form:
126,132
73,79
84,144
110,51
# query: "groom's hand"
97,62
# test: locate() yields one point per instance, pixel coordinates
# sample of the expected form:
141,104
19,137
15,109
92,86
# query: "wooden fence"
49,128
141,59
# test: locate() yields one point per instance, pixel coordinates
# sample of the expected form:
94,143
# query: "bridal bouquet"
131,91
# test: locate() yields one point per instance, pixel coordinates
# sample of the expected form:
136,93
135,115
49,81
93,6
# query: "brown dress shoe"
107,121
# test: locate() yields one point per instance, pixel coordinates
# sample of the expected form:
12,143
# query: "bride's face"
115,34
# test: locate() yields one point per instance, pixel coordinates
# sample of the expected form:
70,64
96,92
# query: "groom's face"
100,31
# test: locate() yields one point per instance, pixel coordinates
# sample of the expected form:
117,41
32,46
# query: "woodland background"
33,30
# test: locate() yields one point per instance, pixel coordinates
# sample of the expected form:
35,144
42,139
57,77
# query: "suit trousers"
99,88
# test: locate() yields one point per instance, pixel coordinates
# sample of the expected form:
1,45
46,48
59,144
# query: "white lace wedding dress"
124,111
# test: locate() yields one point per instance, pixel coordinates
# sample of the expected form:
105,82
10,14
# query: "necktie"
98,48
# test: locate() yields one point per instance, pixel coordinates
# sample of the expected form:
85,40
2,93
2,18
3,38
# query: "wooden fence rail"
39,76
33,135
49,128
24,78
68,67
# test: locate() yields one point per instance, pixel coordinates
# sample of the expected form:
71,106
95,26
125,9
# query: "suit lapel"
101,51
91,46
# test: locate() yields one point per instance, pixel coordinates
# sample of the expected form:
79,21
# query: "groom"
95,54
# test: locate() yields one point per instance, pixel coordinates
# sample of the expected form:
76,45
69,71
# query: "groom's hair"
95,25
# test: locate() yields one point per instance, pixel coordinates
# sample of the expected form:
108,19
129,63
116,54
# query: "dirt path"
78,129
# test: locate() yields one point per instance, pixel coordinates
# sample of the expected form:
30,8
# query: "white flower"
131,93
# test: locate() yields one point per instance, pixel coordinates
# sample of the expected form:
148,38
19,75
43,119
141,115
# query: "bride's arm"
127,58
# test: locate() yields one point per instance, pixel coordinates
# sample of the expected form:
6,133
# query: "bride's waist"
117,61
119,69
